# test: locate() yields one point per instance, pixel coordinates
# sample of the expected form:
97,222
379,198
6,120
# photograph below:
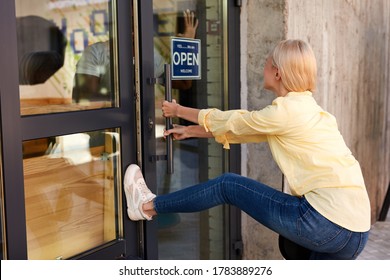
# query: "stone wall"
351,40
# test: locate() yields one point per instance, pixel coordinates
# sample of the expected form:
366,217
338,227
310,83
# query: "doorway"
67,140
212,234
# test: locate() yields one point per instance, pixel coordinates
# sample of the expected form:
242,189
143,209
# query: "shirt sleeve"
91,61
242,126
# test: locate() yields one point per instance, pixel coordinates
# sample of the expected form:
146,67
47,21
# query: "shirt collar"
303,93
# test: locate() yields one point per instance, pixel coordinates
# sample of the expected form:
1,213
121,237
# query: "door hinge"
155,81
154,158
238,247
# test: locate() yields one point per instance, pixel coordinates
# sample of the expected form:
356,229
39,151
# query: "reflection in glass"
64,52
70,186
198,235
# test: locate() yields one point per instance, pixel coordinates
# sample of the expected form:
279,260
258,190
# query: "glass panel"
71,184
196,235
65,55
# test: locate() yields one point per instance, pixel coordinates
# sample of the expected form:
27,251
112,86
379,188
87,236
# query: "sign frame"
191,48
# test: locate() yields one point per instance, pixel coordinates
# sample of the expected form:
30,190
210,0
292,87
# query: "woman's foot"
137,193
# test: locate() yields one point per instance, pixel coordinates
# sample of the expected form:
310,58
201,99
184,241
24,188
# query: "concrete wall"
351,40
263,24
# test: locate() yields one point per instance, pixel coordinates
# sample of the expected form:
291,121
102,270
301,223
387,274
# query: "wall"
351,40
263,25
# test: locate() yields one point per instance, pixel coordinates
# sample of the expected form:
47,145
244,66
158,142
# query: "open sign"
185,59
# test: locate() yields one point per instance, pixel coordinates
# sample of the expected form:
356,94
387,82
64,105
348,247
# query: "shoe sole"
130,173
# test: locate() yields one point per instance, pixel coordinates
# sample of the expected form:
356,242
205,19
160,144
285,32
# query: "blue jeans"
291,217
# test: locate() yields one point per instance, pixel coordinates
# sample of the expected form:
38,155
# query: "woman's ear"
277,76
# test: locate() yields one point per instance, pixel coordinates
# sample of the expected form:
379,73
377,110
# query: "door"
68,128
212,234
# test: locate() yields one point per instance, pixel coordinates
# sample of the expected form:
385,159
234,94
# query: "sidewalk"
378,245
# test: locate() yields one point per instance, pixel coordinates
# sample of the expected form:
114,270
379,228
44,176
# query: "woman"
328,211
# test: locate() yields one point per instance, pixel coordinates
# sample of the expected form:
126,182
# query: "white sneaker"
137,193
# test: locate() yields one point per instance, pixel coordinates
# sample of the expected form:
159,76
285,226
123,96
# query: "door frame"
149,240
16,128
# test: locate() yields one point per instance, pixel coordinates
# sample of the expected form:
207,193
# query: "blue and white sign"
186,62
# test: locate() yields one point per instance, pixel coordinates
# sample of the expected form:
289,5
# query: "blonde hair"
297,65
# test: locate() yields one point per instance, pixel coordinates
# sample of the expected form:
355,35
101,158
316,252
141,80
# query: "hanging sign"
186,60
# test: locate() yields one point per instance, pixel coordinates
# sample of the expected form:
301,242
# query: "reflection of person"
328,211
41,49
190,25
93,75
92,79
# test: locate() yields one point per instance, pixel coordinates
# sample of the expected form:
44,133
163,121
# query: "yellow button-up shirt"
308,148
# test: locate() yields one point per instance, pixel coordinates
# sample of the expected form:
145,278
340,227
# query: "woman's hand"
172,110
179,132
190,25
169,109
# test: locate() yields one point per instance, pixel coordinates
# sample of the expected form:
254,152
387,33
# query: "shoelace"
141,185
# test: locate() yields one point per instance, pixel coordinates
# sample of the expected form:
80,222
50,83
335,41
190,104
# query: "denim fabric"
290,216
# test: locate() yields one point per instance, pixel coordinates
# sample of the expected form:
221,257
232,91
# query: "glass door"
203,235
71,99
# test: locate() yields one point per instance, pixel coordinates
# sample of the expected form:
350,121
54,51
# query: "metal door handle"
168,121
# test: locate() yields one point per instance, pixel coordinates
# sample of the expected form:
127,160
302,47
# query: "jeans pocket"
362,241
316,230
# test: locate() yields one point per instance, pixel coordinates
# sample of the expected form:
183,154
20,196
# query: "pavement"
378,245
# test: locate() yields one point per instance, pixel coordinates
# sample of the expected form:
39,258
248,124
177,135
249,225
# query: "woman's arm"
180,132
173,109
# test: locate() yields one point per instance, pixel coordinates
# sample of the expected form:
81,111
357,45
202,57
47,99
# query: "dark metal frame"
16,129
234,51
148,239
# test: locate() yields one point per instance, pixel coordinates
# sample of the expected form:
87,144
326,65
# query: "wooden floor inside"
65,206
